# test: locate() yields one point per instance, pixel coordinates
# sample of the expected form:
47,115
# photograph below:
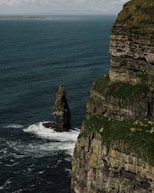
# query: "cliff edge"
115,149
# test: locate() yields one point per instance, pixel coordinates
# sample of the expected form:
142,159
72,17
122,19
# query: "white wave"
7,183
41,172
47,133
39,150
69,171
14,126
59,140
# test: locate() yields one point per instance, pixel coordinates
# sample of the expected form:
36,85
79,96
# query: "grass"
119,89
138,135
126,90
101,84
137,12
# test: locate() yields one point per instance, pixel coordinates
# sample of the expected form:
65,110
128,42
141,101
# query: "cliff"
115,149
114,156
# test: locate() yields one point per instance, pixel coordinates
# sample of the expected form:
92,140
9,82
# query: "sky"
60,7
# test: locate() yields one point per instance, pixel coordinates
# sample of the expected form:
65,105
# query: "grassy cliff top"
137,12
119,89
137,135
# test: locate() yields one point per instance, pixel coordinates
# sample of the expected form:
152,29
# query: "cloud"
61,6
120,2
22,2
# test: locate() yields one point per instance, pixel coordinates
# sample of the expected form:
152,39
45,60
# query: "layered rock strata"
101,168
128,92
132,44
115,149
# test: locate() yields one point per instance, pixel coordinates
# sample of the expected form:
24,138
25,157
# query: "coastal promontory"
114,152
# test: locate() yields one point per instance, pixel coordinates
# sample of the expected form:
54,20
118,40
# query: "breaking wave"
58,140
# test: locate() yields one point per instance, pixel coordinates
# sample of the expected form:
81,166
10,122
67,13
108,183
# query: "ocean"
36,56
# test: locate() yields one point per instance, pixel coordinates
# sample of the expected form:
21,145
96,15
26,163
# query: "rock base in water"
50,125
54,126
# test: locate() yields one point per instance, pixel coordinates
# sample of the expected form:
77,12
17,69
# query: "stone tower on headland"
115,149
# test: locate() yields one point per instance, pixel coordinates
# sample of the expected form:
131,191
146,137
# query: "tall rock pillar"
61,111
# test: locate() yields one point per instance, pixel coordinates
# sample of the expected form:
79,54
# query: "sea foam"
14,126
59,140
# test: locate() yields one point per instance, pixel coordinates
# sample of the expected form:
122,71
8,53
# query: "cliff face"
128,92
132,44
115,148
101,169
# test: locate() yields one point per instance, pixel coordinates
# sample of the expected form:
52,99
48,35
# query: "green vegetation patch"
126,90
101,84
138,135
137,12
119,89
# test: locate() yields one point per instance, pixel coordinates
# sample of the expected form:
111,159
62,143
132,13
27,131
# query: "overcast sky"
8,7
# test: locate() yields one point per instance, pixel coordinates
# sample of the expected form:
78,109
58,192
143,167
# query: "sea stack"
61,111
114,152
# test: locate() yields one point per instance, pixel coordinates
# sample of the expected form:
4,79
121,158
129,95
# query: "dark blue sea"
36,56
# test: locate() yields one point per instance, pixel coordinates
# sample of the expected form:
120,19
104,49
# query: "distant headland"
27,17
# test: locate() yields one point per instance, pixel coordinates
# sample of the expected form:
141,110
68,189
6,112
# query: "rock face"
132,44
128,91
115,149
62,112
101,168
